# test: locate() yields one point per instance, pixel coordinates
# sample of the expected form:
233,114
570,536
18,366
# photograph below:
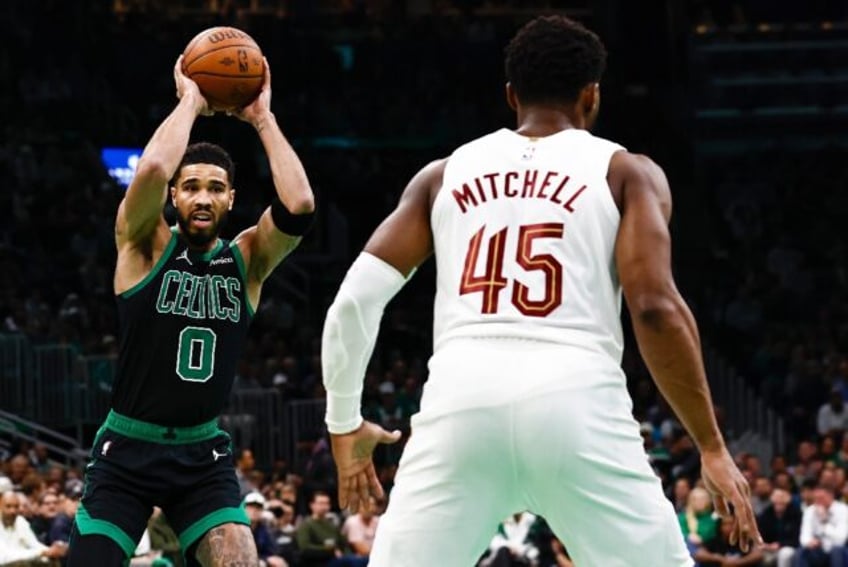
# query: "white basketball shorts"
510,425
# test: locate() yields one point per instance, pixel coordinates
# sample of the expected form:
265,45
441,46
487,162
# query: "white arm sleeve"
350,332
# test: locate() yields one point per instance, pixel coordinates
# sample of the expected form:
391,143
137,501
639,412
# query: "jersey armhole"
243,273
155,270
607,200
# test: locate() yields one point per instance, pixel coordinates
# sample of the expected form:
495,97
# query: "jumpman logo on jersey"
184,256
216,455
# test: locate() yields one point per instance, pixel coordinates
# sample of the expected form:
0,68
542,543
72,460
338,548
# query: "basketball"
227,65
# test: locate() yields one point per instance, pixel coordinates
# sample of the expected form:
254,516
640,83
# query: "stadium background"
742,102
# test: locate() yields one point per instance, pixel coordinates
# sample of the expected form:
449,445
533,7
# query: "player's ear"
232,198
511,97
590,99
174,195
589,103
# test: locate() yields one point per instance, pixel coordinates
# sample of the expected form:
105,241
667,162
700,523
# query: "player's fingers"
374,481
342,492
748,531
364,490
352,495
267,72
733,538
721,506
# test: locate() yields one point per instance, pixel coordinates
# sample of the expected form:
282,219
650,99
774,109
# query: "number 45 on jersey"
492,281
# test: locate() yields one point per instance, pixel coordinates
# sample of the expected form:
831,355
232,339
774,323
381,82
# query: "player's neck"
541,121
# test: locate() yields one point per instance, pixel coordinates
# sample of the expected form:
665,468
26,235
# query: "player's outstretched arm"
282,225
140,213
666,331
397,247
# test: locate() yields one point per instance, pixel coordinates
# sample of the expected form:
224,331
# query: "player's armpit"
404,239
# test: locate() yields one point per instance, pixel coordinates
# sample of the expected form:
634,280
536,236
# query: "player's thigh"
95,549
226,545
452,488
112,506
586,471
204,492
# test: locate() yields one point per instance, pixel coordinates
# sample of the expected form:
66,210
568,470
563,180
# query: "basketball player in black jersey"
185,301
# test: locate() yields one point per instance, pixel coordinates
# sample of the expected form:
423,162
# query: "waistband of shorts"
146,431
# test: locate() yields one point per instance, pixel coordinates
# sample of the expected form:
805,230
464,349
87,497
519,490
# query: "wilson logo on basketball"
226,34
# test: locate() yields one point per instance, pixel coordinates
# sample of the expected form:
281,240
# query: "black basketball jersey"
182,332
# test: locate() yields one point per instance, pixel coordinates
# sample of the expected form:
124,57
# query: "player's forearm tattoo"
228,546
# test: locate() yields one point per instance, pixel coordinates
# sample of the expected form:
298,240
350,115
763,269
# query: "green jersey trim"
209,254
243,271
221,516
145,431
161,262
89,526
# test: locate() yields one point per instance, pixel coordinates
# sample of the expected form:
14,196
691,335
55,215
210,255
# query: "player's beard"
201,238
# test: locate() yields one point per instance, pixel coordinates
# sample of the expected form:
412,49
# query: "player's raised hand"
732,497
188,88
255,112
352,453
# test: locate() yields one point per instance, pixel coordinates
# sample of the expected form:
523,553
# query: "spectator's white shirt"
18,542
355,530
830,530
828,420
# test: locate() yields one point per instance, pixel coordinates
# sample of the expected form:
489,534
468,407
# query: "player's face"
202,196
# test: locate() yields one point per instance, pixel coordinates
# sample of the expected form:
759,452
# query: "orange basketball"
227,65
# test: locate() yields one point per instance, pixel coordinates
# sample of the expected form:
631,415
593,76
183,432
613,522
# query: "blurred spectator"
697,521
780,526
48,508
824,529
60,529
359,529
720,553
254,505
17,540
18,470
761,494
283,530
680,495
244,466
319,539
832,417
38,458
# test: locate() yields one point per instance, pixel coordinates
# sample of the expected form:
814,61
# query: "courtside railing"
747,419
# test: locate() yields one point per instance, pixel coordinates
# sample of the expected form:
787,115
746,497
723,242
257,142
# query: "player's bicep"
264,246
643,245
140,211
404,239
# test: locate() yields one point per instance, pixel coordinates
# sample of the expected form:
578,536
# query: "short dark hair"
206,152
552,58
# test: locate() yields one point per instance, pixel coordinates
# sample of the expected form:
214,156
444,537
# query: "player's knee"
227,544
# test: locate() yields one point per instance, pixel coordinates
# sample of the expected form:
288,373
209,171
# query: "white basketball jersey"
524,232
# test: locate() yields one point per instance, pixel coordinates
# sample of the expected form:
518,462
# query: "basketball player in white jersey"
536,232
